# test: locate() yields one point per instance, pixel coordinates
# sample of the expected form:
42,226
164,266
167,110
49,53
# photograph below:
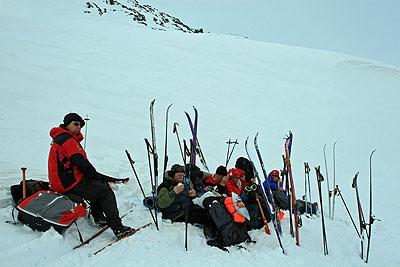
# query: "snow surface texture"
55,59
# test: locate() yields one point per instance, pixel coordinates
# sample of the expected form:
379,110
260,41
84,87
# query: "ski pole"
23,182
267,231
229,155
309,185
140,185
175,131
334,179
86,129
227,152
327,183
347,209
320,179
306,198
153,185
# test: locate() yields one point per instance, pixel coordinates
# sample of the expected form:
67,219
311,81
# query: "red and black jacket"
68,163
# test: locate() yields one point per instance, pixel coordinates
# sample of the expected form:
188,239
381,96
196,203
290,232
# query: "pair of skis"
364,233
128,234
331,193
293,209
131,232
272,215
152,152
193,145
104,228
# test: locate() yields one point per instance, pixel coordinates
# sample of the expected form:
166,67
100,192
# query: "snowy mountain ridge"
141,14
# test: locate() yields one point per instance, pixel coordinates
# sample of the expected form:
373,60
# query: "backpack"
229,232
45,209
32,186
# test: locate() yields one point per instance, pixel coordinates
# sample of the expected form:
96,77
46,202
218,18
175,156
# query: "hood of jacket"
56,131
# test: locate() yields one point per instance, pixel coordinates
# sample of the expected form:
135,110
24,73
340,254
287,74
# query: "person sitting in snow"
213,181
245,165
281,197
71,173
234,182
252,196
173,201
196,177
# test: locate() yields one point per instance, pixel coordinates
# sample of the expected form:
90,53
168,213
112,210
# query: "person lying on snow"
240,180
173,201
229,219
281,197
71,173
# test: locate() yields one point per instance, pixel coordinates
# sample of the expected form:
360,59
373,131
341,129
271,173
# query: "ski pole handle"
23,169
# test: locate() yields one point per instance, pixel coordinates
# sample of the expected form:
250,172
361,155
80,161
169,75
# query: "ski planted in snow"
285,179
152,150
166,141
327,184
197,148
371,217
363,228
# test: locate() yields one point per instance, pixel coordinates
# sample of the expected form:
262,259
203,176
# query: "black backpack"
229,232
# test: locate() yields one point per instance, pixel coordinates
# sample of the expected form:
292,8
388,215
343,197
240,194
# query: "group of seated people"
227,203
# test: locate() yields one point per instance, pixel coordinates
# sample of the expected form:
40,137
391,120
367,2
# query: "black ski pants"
101,198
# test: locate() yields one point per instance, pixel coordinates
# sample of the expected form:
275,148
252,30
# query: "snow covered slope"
55,58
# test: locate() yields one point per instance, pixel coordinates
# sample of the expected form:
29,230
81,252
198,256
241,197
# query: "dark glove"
109,179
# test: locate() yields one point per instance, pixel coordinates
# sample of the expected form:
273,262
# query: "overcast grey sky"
365,28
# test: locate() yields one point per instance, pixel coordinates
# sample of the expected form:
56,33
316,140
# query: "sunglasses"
76,124
250,188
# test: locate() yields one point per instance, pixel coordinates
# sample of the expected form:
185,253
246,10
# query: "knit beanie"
221,170
70,117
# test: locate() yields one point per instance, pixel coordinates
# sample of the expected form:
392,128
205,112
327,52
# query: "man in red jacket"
70,172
